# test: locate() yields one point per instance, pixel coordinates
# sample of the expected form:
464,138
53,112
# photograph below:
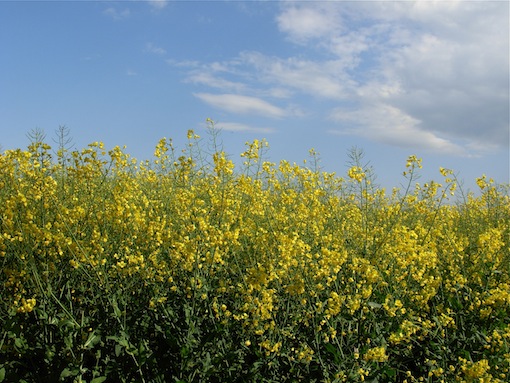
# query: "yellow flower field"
186,268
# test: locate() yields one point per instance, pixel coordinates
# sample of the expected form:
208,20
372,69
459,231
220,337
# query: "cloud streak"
239,104
239,127
390,125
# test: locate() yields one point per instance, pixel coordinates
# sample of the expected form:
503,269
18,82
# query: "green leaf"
68,323
390,372
2,374
92,340
375,305
118,350
184,352
20,344
66,372
332,349
99,379
116,310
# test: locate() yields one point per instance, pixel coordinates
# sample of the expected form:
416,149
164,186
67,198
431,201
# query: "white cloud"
204,78
455,85
153,48
238,127
117,15
242,104
304,23
322,79
279,92
389,125
240,70
442,64
158,4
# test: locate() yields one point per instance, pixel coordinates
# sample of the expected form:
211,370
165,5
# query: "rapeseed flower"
27,305
301,264
376,354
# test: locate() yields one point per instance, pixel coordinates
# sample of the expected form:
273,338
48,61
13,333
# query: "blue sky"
429,78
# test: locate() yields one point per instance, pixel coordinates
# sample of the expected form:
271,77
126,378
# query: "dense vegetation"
186,269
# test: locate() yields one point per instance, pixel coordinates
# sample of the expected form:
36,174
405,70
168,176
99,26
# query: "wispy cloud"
187,64
317,78
239,104
236,75
239,127
158,4
153,48
116,14
304,23
205,78
389,125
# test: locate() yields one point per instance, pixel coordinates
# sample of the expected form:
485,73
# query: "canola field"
186,268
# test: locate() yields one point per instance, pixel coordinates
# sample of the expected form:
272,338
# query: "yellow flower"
476,370
27,305
376,354
356,173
